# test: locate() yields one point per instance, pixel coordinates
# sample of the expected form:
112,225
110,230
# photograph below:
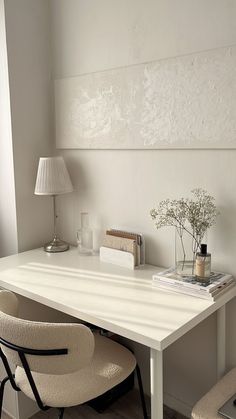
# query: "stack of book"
123,248
214,287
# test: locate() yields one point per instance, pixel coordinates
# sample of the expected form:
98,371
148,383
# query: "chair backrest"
9,303
76,338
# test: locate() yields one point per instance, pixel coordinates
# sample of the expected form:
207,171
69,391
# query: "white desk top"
108,296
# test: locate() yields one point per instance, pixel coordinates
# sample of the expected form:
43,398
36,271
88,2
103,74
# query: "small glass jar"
85,235
203,264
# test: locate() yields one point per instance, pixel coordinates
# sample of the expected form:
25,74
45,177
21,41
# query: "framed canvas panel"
183,102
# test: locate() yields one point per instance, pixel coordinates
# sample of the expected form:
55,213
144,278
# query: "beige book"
121,243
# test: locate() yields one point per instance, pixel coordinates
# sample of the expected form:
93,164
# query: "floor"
127,407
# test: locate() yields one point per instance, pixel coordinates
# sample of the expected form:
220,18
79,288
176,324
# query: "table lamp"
53,179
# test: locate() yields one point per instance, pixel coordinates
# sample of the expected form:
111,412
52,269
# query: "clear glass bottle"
85,235
97,234
203,264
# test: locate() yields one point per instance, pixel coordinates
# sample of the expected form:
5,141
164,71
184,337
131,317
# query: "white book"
216,281
192,292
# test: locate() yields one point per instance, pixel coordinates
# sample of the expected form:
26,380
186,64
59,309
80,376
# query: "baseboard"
8,413
27,409
177,405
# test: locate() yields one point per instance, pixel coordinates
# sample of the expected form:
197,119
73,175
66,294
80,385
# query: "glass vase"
185,253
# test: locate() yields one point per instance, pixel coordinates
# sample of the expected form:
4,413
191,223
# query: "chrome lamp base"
56,245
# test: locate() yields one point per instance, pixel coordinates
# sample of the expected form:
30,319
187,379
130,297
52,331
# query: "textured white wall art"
183,102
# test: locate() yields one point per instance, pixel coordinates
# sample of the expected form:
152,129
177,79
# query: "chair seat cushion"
207,407
111,364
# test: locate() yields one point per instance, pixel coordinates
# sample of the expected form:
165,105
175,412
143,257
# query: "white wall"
91,36
98,35
8,228
28,46
25,135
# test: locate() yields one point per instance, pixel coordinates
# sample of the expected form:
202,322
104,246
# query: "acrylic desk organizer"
117,257
123,248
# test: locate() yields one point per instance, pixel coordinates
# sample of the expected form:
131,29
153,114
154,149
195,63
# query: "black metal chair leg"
61,413
141,392
2,393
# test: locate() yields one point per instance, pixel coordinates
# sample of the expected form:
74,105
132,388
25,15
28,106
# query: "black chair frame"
22,352
44,352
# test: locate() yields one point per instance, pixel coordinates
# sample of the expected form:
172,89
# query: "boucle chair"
207,407
59,365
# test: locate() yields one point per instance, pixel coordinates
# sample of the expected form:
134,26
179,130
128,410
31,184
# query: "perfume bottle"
203,264
85,236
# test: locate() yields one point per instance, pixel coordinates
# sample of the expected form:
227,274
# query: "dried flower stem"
199,213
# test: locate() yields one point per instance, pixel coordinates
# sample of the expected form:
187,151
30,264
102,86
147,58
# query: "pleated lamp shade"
52,177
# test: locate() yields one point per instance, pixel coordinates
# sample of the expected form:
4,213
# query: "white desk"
116,299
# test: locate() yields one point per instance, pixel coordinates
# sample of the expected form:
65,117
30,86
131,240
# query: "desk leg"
221,339
156,364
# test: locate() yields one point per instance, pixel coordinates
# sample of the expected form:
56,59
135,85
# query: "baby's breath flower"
194,215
